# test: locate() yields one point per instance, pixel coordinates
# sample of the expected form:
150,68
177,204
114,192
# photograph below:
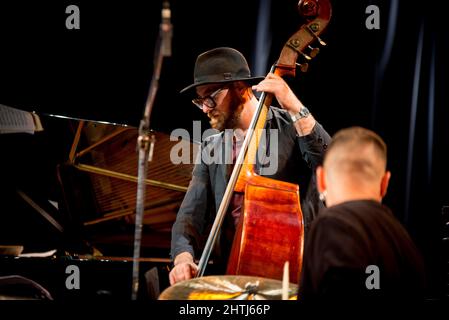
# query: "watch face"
304,112
301,114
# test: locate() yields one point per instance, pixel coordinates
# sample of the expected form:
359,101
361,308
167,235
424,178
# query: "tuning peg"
322,43
294,44
303,67
307,57
314,51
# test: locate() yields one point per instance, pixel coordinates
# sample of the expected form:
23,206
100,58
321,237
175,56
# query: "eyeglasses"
208,101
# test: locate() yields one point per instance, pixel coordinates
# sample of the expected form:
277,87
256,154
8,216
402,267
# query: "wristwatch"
303,113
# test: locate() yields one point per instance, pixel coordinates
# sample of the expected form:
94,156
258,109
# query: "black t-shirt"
358,249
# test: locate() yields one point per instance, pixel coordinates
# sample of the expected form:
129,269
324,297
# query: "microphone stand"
146,140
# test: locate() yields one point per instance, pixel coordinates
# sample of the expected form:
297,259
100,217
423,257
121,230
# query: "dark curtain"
410,110
393,80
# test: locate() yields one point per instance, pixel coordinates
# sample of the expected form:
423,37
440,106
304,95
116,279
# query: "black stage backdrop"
392,80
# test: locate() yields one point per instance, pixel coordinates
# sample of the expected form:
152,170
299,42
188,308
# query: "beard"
221,120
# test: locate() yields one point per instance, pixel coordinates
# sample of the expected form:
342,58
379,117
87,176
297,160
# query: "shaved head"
354,166
357,152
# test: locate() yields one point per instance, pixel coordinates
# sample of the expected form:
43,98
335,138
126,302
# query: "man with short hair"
356,248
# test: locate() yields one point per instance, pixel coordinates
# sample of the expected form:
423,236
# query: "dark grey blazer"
210,176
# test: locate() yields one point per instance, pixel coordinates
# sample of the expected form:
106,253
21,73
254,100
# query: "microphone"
166,29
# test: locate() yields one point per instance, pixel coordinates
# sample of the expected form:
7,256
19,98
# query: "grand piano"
72,188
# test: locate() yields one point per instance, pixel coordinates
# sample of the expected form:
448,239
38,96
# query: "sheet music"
38,254
14,120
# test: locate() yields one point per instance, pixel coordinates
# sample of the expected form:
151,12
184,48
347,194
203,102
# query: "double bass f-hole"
255,257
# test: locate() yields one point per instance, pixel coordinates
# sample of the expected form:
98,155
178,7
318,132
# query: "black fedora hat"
221,65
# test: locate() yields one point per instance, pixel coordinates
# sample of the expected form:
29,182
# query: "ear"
384,183
320,182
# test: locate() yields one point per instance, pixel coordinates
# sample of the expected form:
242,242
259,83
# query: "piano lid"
89,169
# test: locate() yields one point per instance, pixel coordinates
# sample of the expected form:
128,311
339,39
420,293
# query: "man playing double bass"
224,89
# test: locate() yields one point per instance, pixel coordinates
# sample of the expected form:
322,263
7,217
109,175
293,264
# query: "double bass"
271,229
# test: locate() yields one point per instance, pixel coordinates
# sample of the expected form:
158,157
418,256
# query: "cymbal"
228,287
